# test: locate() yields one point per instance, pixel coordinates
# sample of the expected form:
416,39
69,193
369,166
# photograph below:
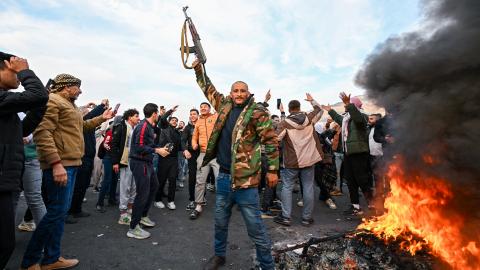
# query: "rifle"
197,49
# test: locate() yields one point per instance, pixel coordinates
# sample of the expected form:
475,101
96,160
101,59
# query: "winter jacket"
170,135
357,140
89,136
33,100
187,135
253,128
59,137
119,135
382,129
203,131
301,145
143,144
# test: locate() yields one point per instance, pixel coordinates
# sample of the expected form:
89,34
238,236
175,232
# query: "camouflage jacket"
253,129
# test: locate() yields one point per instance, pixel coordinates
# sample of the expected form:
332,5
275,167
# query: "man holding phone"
142,149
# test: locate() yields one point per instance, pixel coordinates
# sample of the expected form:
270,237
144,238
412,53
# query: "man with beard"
168,166
241,129
60,146
355,145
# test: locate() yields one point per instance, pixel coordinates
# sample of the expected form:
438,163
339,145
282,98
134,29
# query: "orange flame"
418,206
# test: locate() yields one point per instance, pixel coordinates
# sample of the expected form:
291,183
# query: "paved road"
176,242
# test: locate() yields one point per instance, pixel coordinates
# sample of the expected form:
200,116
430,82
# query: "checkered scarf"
64,80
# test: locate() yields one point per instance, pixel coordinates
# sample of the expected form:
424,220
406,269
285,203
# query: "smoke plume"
430,80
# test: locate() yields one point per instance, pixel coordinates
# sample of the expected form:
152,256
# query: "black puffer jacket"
171,135
33,100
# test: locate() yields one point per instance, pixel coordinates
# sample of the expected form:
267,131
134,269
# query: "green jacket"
253,129
357,140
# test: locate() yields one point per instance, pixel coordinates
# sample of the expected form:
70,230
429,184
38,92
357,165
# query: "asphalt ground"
177,242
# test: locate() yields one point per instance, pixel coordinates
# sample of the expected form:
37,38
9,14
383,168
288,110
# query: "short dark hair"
195,110
274,116
4,56
206,103
149,109
172,117
294,105
129,113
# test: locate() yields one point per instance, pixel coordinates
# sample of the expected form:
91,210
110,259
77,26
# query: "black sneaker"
282,220
276,207
81,215
352,211
70,220
307,222
190,206
214,263
194,214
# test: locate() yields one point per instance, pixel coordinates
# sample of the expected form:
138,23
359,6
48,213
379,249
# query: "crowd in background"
56,151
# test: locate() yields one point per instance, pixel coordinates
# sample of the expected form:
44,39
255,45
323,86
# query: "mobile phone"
116,108
169,147
279,101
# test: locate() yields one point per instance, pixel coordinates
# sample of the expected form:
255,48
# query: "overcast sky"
128,51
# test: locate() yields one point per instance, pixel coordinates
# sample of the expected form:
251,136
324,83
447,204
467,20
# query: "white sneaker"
331,204
159,205
300,203
181,185
124,219
26,226
146,221
138,233
171,206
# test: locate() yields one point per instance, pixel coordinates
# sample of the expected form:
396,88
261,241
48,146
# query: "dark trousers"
268,194
167,171
357,175
82,182
109,183
147,184
7,228
192,176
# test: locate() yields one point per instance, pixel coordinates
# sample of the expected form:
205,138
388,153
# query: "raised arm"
213,96
315,115
34,96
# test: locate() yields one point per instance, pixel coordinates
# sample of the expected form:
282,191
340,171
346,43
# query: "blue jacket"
143,145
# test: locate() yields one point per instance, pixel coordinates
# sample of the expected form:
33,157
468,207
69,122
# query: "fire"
417,213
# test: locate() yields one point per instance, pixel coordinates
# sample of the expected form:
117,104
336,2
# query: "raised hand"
326,107
16,64
309,97
174,108
108,114
345,98
268,96
281,108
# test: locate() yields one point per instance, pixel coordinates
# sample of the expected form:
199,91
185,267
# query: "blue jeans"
109,183
306,176
248,202
48,235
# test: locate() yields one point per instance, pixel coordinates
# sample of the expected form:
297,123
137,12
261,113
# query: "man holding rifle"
242,127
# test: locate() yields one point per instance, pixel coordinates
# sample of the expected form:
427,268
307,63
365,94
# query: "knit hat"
357,102
64,80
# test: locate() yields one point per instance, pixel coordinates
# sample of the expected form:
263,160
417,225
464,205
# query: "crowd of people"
232,146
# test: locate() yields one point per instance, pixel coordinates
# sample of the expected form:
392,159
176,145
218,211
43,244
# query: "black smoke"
430,80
